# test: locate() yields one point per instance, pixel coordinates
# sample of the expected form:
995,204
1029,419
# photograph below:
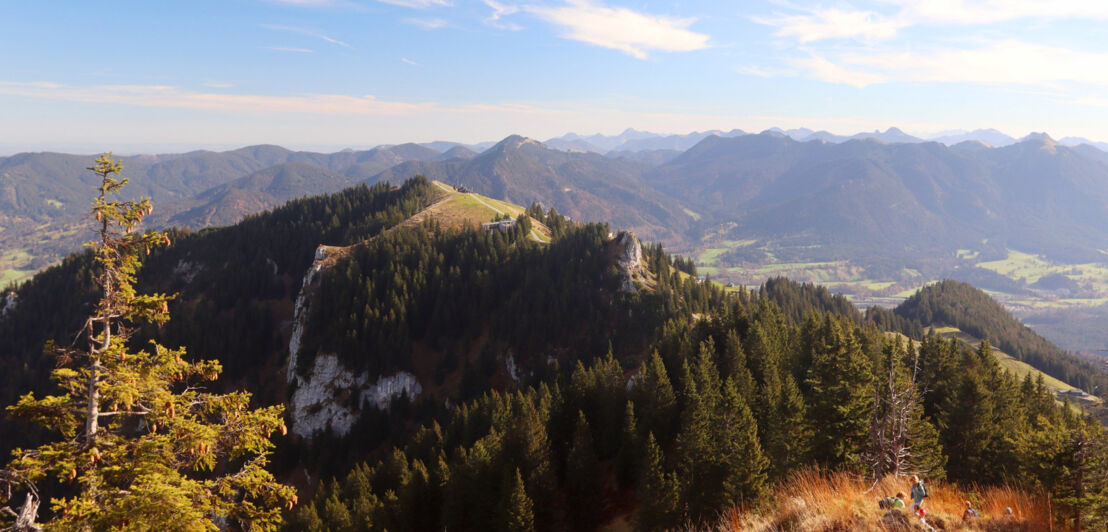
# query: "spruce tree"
782,426
743,465
659,491
583,488
697,453
518,510
146,444
840,401
654,397
627,459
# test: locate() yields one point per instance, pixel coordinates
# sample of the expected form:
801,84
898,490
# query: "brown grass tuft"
813,500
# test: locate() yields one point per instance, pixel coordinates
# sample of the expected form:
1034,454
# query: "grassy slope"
813,501
456,209
1016,367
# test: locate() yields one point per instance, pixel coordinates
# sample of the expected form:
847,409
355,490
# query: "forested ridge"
665,404
956,304
233,286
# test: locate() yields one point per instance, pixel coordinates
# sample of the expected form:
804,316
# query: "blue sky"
329,74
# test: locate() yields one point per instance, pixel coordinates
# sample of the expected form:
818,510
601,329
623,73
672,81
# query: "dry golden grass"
817,501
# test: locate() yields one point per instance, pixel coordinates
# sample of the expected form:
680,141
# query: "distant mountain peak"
514,141
1041,135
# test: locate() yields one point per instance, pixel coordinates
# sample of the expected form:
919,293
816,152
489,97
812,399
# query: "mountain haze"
584,186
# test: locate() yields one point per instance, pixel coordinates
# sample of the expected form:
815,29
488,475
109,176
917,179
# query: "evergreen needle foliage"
143,445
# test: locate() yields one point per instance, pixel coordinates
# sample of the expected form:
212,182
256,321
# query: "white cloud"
1089,101
1003,62
173,97
428,23
499,11
824,70
833,23
409,61
817,24
991,11
309,33
417,4
622,29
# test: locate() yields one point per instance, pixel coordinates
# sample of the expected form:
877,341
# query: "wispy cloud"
623,29
409,61
307,32
174,97
418,4
824,70
1003,62
833,23
990,11
499,11
816,24
427,23
290,49
1089,101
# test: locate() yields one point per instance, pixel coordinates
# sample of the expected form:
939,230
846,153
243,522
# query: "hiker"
889,503
918,493
922,514
970,513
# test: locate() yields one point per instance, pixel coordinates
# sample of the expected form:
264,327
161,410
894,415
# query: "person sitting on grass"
889,503
970,513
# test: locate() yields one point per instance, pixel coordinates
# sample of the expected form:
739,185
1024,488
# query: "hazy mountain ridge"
860,199
877,197
584,186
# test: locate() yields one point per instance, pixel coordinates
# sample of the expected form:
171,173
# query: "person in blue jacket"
919,492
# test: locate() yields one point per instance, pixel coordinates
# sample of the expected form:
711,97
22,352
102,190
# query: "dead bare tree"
895,400
27,513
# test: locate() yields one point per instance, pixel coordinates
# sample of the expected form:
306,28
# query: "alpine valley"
518,337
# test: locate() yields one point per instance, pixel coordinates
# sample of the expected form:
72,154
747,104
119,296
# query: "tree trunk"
25,520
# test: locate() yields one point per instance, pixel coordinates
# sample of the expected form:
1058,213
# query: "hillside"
399,334
583,186
959,305
813,501
44,195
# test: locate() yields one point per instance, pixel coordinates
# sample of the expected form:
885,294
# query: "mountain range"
860,198
546,346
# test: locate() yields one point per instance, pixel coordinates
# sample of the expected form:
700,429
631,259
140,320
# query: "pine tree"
628,456
840,401
654,397
782,426
584,491
518,513
141,436
743,465
659,491
697,453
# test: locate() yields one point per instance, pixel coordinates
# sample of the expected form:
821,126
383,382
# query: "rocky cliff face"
628,254
331,396
8,302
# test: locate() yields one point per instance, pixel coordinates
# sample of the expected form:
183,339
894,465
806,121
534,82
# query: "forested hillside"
973,311
447,376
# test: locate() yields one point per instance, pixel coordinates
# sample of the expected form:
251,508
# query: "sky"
331,74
